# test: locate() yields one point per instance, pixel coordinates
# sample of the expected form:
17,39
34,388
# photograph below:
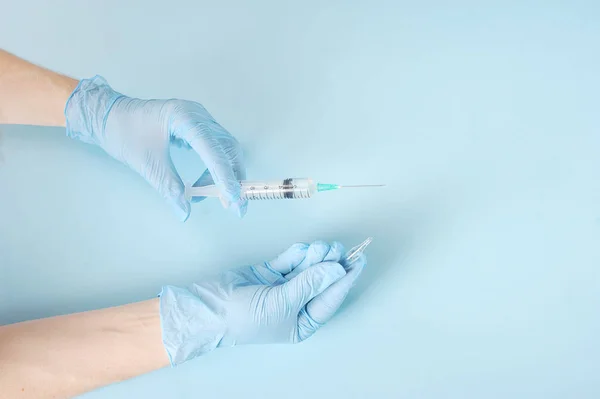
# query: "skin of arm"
64,356
32,95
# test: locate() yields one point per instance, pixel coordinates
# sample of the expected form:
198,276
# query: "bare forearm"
63,356
31,95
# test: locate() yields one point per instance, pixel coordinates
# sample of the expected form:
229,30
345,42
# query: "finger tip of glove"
241,208
182,215
299,246
231,190
337,245
182,210
336,251
231,199
319,247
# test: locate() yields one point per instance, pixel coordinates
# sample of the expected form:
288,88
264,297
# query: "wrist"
88,107
203,325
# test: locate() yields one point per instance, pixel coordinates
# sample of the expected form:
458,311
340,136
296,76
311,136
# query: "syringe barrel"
261,190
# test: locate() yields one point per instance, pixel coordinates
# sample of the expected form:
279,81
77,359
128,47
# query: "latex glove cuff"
199,329
87,108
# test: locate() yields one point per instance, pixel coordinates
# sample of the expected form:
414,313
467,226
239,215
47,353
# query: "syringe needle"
363,185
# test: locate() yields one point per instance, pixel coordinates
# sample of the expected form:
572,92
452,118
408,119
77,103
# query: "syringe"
276,189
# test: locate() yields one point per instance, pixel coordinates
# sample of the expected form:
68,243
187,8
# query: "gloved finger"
204,180
240,207
323,307
319,251
289,259
272,273
335,253
237,159
239,169
161,175
208,139
311,282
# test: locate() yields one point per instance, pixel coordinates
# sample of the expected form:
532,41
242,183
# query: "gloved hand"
258,304
139,133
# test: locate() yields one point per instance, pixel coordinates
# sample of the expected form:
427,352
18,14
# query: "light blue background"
483,279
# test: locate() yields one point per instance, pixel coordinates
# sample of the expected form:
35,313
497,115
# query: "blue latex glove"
258,304
140,132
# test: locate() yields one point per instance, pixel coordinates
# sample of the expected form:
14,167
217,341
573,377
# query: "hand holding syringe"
276,189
